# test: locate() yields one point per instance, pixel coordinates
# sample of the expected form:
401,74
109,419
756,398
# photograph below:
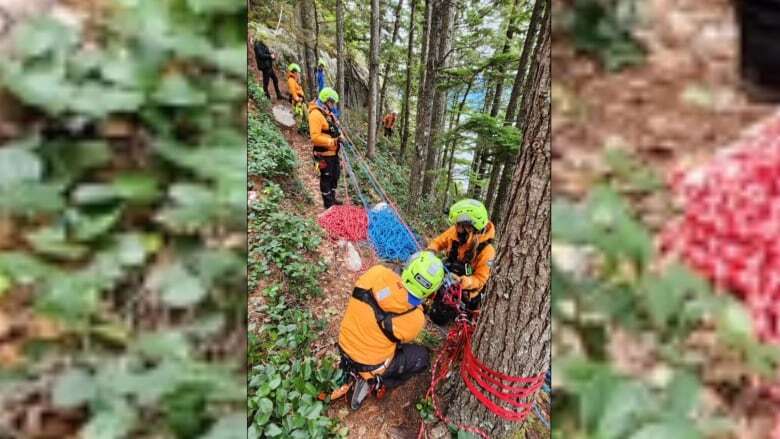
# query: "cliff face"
288,51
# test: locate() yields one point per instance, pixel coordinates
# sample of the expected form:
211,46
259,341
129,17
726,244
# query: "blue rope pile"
390,238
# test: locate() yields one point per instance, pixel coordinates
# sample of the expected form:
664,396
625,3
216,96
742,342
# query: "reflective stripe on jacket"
481,263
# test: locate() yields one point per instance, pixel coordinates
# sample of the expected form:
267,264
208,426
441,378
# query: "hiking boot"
360,392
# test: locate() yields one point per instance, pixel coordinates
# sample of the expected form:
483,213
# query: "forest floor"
681,106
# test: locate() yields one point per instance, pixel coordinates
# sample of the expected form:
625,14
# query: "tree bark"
306,9
386,69
340,61
373,70
495,174
408,88
423,119
316,34
480,151
513,332
530,49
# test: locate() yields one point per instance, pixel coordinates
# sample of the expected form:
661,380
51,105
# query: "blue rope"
390,238
540,416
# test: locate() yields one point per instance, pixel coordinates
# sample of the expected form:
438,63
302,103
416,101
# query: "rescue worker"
265,62
389,123
326,140
319,75
296,94
382,317
468,245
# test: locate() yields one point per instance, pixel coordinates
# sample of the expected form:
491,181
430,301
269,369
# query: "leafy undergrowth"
122,218
641,344
285,379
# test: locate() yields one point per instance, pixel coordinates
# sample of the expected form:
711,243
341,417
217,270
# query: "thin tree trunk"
373,70
423,119
408,88
308,52
480,151
495,174
386,70
453,143
316,35
340,61
530,50
518,294
510,30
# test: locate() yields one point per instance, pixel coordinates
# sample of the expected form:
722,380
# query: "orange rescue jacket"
296,91
480,262
360,336
324,144
389,120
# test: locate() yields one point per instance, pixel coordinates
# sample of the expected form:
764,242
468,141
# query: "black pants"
270,75
410,359
329,178
443,314
388,132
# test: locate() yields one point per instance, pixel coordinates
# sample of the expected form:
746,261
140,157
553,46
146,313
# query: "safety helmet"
321,62
294,67
423,274
469,211
328,93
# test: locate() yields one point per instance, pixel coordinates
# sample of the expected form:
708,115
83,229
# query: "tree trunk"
480,152
529,48
316,35
423,119
340,61
373,67
513,332
386,69
408,88
306,9
510,30
439,96
495,174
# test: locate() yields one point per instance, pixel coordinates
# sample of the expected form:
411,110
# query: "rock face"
283,43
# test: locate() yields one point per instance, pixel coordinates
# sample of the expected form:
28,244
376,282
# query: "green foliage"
117,230
269,154
603,28
624,292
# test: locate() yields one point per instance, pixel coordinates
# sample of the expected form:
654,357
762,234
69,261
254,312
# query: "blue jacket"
320,76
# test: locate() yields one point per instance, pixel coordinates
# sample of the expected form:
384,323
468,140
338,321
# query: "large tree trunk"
340,59
386,69
513,332
407,90
373,67
423,119
306,8
539,17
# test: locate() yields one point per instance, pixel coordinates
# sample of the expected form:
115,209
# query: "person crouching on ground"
383,316
326,140
468,246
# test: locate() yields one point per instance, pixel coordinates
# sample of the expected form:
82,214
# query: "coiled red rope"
479,378
345,222
730,228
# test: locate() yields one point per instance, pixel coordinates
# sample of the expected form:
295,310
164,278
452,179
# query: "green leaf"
160,345
23,268
19,165
734,323
31,198
5,284
177,91
38,36
264,410
178,287
136,187
231,426
51,241
676,430
73,388
273,430
683,395
113,422
628,402
97,100
89,227
94,193
68,297
41,87
216,6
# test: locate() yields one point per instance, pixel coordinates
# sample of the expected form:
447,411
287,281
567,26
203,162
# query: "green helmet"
328,93
423,274
321,62
294,67
470,211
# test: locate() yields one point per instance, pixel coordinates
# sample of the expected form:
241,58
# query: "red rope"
478,377
345,222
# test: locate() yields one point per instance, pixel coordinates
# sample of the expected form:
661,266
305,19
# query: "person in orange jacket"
389,123
382,317
326,140
294,84
468,245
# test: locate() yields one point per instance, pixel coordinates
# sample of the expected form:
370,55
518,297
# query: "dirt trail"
395,415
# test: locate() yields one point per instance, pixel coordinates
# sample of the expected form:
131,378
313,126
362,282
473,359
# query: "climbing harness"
384,319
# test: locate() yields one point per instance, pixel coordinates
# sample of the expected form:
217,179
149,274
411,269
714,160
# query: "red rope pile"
345,222
730,228
479,378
